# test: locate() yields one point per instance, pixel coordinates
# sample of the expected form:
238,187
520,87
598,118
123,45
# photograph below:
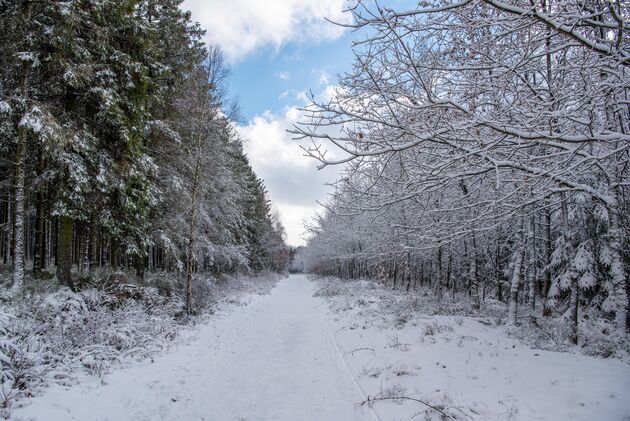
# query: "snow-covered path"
273,359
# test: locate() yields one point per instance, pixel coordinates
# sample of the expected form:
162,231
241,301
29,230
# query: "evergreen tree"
95,108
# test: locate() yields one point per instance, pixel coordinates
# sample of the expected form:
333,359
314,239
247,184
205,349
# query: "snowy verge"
52,335
416,358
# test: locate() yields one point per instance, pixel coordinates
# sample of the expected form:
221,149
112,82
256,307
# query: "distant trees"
118,146
494,135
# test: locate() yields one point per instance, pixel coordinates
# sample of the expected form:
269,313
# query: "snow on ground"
51,335
270,360
466,366
293,356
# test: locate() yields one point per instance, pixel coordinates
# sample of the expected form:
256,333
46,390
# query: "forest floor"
404,347
271,359
315,350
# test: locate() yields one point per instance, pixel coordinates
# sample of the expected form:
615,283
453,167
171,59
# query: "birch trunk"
534,269
474,279
515,282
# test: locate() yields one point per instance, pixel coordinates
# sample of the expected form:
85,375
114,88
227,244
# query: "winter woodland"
471,261
486,147
123,179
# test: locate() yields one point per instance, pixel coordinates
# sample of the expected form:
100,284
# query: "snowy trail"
270,360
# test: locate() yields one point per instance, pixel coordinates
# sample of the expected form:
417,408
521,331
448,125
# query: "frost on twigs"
433,412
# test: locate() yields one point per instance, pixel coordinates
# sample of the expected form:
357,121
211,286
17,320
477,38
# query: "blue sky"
270,85
277,51
271,79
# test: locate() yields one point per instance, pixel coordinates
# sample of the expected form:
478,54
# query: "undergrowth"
51,335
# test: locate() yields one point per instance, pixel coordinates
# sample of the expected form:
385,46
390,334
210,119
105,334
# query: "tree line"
119,148
486,146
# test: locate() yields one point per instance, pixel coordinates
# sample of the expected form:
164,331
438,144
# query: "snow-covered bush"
51,336
397,308
328,290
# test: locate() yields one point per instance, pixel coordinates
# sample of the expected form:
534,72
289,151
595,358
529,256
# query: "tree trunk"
64,252
573,307
18,235
191,238
408,270
575,289
113,254
87,236
449,278
40,233
439,272
79,247
474,278
617,271
547,308
533,269
497,270
516,279
18,226
93,248
395,273
140,266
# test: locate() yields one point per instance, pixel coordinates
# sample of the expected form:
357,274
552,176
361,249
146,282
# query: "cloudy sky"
277,51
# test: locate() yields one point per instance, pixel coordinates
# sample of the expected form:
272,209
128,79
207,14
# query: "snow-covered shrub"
435,328
7,347
395,343
402,317
328,290
50,336
7,375
203,293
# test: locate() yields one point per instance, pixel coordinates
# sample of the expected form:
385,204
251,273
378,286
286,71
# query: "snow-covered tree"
123,148
476,118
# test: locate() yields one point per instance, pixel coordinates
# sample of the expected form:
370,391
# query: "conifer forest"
338,210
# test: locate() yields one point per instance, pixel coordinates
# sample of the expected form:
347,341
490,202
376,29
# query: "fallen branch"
360,349
371,400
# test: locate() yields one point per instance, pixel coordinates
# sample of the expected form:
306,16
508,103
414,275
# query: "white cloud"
294,95
294,183
241,26
323,77
268,144
283,75
293,217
